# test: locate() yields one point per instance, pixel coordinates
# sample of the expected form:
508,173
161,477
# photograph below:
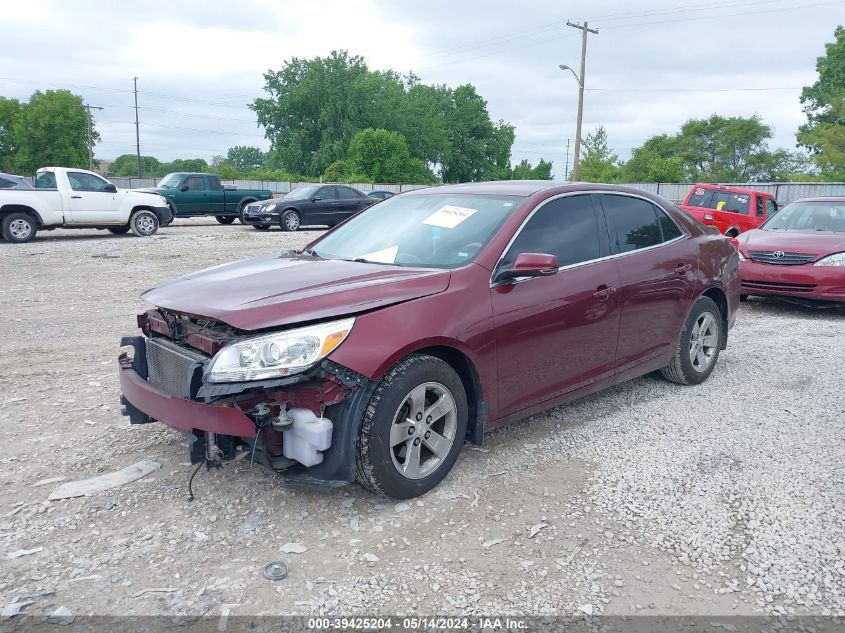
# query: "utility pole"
566,164
576,166
137,130
88,109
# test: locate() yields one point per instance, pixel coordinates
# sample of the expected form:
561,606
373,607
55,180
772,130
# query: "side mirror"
530,265
183,188
110,188
316,198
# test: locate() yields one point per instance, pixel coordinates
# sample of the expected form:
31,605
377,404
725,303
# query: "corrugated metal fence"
783,192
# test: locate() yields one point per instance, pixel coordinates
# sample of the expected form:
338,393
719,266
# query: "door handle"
603,293
76,197
683,269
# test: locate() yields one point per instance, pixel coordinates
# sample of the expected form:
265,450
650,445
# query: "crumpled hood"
817,243
276,290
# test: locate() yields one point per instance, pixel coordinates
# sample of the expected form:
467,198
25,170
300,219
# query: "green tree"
383,156
10,110
245,159
525,171
823,104
598,162
827,137
344,171
314,109
52,129
127,165
182,164
656,160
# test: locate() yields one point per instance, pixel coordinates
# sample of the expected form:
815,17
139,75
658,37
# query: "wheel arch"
6,209
468,373
732,231
721,300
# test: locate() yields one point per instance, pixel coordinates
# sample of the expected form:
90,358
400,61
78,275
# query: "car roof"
502,187
712,185
822,199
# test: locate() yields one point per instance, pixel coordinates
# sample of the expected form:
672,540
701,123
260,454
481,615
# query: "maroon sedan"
798,253
426,320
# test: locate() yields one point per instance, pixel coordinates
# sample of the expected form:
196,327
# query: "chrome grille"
781,258
174,369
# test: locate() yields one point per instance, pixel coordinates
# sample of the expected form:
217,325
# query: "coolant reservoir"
307,437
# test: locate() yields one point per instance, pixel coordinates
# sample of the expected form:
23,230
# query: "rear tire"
18,228
224,219
290,220
413,428
119,230
697,349
144,223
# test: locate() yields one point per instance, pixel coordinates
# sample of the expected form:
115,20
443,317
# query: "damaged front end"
286,420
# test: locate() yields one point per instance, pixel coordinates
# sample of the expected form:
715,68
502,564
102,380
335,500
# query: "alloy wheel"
704,341
423,430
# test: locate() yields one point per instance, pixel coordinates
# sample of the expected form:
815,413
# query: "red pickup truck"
731,209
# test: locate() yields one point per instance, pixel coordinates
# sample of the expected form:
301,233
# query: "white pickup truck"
78,199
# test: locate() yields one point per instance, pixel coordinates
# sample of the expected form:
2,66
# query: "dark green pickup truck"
203,194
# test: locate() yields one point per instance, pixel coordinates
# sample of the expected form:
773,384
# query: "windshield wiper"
362,260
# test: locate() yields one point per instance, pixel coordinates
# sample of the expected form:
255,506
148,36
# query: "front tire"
144,223
698,346
290,220
413,428
119,230
224,219
18,228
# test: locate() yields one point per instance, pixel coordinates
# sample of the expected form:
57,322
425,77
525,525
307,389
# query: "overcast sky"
653,65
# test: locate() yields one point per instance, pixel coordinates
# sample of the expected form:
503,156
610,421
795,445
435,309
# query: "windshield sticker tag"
449,216
699,191
385,256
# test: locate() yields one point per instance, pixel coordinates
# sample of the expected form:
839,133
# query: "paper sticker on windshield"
386,256
449,216
699,191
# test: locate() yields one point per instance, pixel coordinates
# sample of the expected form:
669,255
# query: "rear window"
45,180
5,184
719,200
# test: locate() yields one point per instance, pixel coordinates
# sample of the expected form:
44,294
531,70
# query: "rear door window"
730,201
194,183
45,180
345,193
567,228
632,222
668,227
214,183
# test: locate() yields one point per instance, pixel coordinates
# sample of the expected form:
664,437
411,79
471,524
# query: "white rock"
294,548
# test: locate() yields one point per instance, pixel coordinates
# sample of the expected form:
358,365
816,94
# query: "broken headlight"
278,354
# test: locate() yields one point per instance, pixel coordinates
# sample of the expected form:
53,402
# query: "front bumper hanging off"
144,402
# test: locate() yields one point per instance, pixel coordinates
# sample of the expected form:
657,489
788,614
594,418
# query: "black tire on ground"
697,350
261,227
290,220
225,219
18,228
241,210
143,223
119,230
382,452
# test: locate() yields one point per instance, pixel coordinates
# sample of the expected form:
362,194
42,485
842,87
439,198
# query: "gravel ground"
725,498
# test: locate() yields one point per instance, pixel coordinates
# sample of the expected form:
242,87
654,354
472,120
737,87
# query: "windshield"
809,217
719,200
437,230
302,193
170,181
